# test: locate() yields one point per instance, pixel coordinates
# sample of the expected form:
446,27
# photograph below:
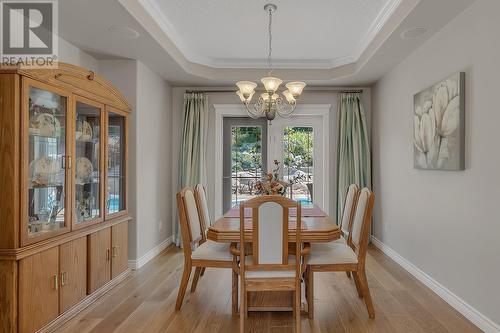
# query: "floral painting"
438,137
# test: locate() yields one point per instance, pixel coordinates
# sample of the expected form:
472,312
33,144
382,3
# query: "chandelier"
270,103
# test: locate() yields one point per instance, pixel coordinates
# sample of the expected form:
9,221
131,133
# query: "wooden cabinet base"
63,318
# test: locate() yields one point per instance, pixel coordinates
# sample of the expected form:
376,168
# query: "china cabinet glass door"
45,157
116,163
87,172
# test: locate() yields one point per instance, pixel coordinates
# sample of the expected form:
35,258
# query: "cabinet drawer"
38,290
99,259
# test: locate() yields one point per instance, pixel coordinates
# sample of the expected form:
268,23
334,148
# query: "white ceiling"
234,33
218,42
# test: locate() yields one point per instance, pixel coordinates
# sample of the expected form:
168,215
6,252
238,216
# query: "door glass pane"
87,167
46,155
298,168
115,200
246,162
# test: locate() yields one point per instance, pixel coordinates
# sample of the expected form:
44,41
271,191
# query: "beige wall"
309,97
123,74
154,160
445,223
149,152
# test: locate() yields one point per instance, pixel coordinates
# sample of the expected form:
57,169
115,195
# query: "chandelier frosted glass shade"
243,99
247,89
271,84
296,88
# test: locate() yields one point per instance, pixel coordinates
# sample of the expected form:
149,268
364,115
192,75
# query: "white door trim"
238,110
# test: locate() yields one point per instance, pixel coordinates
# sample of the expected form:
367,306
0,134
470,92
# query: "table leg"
234,293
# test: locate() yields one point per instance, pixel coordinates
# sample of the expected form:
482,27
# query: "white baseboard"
476,317
138,263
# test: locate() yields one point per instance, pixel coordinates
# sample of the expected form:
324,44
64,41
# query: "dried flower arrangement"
272,184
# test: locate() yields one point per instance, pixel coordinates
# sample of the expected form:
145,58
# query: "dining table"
317,227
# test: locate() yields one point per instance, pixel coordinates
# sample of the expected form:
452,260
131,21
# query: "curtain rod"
315,90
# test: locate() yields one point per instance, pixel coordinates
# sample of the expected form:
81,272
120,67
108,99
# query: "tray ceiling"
87,24
233,33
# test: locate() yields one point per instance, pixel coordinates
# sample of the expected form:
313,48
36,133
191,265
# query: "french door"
250,147
245,158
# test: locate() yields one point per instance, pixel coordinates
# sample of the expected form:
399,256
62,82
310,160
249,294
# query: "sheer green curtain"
192,153
353,160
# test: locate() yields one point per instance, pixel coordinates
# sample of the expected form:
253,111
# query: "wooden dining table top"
319,227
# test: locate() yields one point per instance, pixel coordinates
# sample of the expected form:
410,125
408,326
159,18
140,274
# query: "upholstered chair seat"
331,254
211,250
271,273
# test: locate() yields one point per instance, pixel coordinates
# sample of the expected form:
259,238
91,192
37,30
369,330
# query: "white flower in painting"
424,128
445,104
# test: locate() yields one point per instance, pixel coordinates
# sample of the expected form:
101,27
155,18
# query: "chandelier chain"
270,31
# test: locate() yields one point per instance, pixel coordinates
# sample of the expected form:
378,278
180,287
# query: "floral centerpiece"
271,184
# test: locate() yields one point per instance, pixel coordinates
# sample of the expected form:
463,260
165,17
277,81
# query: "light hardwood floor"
145,303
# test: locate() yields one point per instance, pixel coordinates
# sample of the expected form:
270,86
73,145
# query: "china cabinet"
63,204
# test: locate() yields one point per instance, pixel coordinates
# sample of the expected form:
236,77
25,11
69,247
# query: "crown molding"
382,18
155,13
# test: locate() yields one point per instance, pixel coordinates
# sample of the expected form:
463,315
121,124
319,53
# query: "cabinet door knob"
115,250
56,282
107,254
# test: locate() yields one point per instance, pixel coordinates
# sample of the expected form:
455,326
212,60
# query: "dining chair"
345,256
270,267
198,251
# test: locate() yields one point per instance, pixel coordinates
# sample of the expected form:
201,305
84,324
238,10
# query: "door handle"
63,278
107,255
56,282
114,254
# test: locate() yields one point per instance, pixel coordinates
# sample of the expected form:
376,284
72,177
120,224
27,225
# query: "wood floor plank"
444,313
423,317
145,303
152,286
80,326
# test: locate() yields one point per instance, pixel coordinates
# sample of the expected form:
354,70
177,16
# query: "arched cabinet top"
78,80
